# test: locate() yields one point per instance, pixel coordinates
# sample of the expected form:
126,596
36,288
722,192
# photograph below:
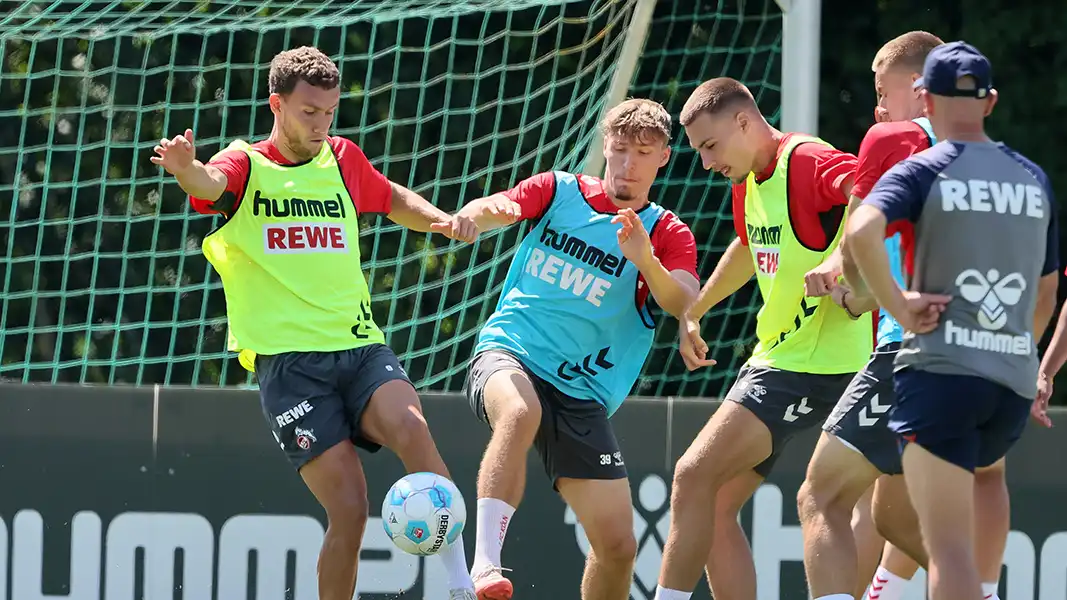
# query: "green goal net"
101,275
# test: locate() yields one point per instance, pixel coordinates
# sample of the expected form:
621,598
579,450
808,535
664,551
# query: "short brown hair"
716,95
638,119
907,51
305,64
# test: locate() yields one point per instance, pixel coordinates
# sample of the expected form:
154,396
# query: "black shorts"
860,417
966,420
315,400
575,439
787,402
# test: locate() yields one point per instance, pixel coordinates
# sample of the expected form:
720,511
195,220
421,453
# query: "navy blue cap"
948,63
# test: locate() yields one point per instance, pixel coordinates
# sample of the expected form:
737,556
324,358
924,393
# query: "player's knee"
694,480
515,414
347,519
408,432
614,543
820,499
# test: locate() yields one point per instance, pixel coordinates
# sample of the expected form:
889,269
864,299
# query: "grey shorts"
786,402
861,416
575,439
315,400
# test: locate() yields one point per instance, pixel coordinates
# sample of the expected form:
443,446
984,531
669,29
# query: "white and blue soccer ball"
423,513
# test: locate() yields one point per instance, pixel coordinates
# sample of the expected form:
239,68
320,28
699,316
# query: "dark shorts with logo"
966,420
575,439
860,417
315,400
787,402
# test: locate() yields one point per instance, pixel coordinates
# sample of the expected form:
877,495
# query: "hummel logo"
878,409
584,367
792,410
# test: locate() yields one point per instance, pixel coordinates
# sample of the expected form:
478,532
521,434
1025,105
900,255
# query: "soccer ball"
423,513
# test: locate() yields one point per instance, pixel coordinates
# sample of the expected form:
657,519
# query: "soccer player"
856,447
570,334
298,305
789,199
966,372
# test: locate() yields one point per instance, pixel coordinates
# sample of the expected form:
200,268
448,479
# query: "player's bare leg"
943,496
733,441
896,516
896,519
337,480
514,413
605,511
837,478
394,419
730,569
992,506
869,542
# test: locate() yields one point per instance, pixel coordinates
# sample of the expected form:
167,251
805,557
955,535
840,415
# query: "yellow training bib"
290,263
796,333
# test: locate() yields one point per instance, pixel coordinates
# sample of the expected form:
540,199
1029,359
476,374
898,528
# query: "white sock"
494,516
836,597
885,586
455,559
665,594
989,590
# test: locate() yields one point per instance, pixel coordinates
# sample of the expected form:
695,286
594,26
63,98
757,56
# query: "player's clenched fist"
176,154
691,346
503,210
459,227
821,280
922,312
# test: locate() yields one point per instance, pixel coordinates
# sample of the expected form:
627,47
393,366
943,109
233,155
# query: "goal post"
801,35
801,31
102,279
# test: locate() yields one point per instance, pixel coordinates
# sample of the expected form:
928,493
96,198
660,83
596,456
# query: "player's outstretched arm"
492,212
178,157
414,212
733,270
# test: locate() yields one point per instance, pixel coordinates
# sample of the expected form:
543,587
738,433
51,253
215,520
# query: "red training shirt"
672,241
369,189
818,179
884,145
